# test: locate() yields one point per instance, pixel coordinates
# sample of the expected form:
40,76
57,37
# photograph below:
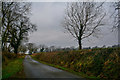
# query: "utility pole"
118,8
0,42
119,24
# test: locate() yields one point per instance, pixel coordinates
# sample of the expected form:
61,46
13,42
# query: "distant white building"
27,52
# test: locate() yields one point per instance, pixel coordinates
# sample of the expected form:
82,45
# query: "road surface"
34,69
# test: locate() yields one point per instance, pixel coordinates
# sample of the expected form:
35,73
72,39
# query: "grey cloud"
48,17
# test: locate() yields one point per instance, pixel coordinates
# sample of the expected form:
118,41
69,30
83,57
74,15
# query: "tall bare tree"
82,19
15,23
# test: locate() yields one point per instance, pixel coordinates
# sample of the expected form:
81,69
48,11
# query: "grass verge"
12,69
69,70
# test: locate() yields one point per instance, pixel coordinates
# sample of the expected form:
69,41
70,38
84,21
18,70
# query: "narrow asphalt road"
34,69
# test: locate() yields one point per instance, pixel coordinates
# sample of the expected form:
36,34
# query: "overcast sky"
48,18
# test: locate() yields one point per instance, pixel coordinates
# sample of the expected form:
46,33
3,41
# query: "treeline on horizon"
31,48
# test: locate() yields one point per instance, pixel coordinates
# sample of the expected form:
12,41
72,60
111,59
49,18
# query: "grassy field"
12,67
102,63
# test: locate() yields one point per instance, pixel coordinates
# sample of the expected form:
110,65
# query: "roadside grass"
19,74
81,74
12,68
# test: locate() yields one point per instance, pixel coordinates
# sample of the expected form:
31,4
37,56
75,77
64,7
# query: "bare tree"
82,19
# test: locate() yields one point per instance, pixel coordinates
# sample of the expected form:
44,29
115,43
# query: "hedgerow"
101,63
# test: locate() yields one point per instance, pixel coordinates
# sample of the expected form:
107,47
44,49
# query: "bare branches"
83,18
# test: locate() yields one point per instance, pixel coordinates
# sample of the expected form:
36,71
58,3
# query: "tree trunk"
15,50
80,44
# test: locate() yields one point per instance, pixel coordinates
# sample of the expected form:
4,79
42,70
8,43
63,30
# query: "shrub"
8,56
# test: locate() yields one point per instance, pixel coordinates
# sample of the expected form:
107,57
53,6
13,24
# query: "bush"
7,56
